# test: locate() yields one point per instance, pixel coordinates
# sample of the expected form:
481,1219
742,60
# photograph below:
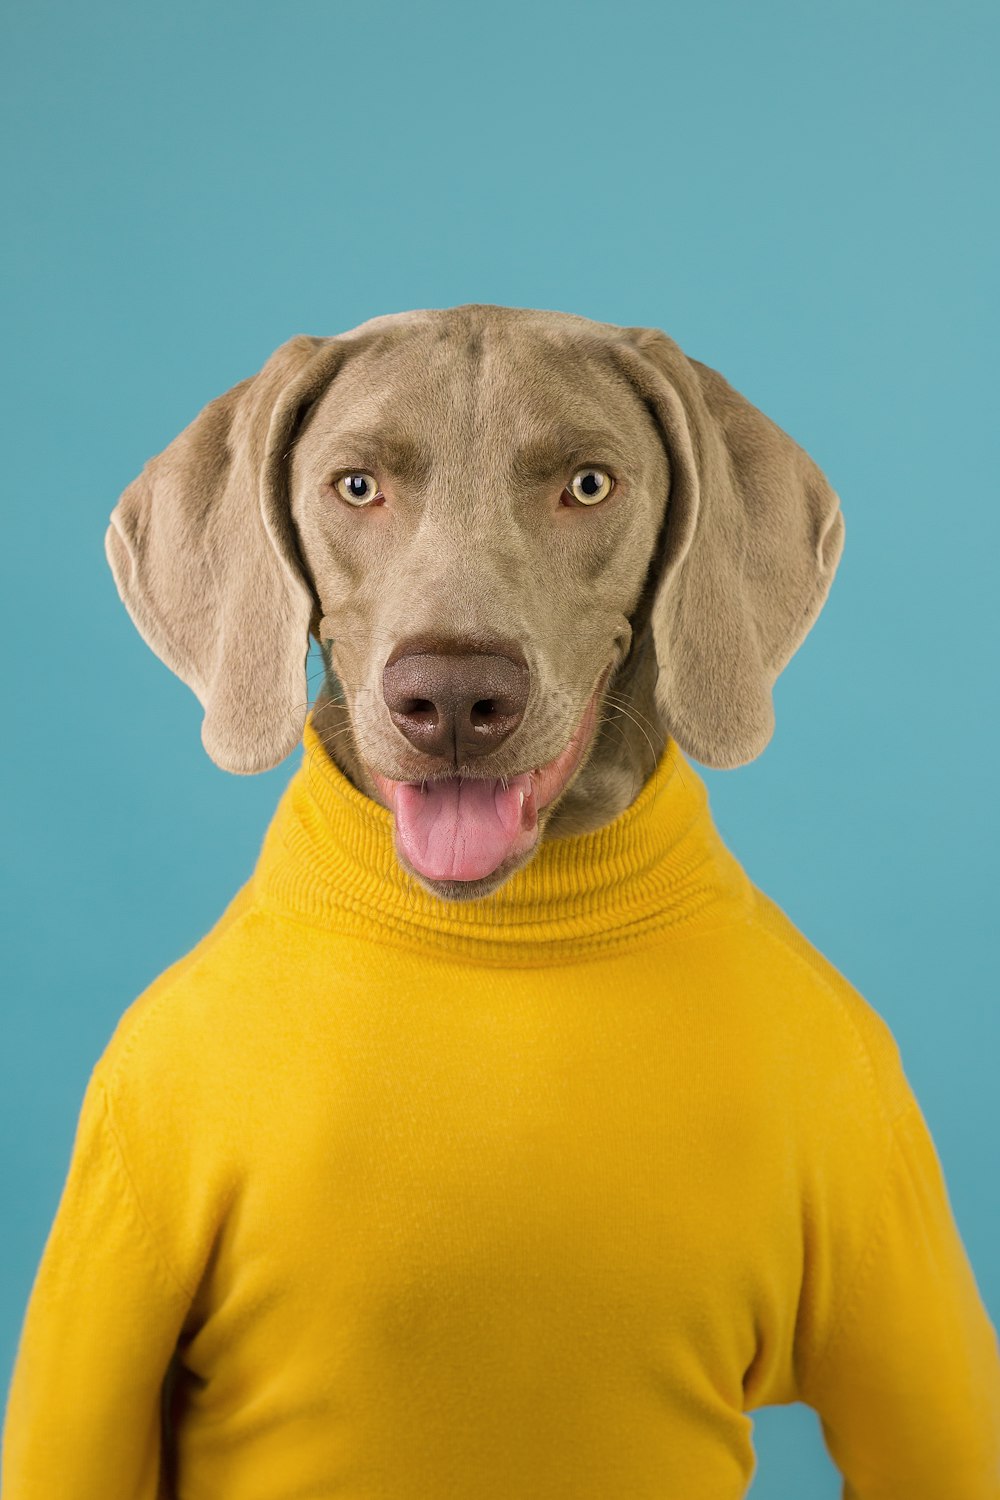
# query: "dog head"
531,485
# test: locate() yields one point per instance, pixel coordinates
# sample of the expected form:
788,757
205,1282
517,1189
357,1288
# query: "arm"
907,1387
105,1311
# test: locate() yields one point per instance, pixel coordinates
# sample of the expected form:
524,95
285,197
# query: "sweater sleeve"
103,1317
907,1388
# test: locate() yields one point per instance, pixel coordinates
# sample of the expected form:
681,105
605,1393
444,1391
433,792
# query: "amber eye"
591,486
356,489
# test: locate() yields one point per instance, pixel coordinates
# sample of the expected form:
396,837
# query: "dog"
502,1139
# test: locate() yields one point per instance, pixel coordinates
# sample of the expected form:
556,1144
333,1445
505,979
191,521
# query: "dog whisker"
614,707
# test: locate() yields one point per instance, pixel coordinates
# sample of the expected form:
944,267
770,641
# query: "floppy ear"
205,559
751,539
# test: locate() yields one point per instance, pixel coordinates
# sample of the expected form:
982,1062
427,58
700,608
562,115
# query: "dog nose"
456,704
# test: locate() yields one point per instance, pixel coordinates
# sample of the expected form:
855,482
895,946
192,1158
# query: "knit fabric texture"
379,1197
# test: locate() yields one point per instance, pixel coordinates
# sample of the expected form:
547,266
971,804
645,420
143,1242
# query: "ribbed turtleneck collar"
328,859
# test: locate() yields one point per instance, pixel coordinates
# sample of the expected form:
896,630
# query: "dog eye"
590,486
356,489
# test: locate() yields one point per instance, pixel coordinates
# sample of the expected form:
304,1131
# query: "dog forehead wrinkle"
541,458
531,463
394,453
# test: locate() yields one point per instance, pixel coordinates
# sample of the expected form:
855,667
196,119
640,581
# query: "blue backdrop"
797,194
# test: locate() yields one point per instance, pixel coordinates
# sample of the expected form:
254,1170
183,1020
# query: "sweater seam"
119,1150
841,1320
846,1302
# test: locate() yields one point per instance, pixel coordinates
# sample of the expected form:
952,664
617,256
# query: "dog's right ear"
206,561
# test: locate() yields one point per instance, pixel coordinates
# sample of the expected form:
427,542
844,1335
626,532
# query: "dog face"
474,509
489,491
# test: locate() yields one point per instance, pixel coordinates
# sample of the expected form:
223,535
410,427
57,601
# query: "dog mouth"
466,827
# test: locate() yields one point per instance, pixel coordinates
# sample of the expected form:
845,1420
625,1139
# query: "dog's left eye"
356,489
591,486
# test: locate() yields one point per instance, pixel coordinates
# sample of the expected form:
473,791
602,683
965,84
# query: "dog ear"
204,556
751,539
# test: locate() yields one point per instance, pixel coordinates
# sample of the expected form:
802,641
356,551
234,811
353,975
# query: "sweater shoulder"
196,972
841,1019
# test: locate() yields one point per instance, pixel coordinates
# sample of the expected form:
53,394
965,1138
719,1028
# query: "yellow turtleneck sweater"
533,1198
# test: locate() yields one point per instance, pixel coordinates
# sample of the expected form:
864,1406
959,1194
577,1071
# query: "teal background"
799,195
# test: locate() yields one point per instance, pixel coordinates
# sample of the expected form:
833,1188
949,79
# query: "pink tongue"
461,829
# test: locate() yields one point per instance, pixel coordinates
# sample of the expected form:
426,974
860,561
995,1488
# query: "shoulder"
166,1024
841,1033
